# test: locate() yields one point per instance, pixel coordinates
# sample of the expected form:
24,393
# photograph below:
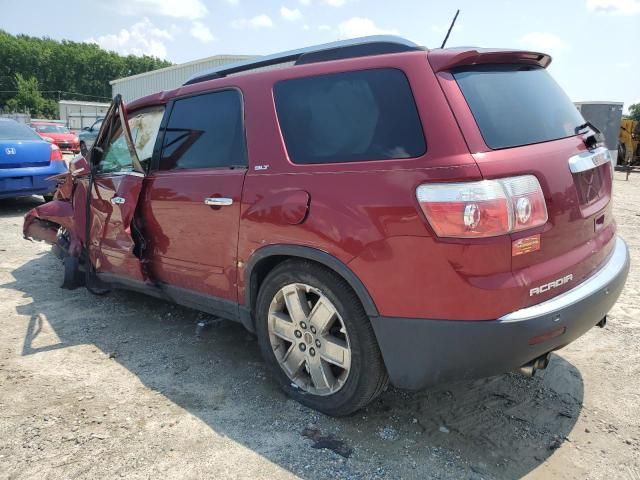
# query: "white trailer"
606,116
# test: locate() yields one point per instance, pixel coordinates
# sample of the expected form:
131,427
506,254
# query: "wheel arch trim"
308,253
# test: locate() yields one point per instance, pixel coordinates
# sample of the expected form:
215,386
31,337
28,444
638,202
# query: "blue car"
26,161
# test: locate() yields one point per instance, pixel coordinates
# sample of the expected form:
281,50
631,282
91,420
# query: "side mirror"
79,166
86,129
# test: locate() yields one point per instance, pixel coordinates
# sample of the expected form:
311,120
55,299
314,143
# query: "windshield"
51,129
10,130
517,105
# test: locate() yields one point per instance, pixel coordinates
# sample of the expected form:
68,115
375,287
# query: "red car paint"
66,141
364,214
43,222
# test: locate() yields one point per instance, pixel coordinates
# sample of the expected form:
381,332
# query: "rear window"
517,105
349,117
51,129
17,131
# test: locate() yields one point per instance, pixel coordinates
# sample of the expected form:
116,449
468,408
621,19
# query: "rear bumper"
19,182
420,353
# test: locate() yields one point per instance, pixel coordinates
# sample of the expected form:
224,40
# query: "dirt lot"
121,386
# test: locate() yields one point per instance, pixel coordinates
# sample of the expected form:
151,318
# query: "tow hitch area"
540,363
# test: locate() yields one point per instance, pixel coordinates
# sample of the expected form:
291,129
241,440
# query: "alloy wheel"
309,339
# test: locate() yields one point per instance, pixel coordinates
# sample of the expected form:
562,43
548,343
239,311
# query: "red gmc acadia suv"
371,209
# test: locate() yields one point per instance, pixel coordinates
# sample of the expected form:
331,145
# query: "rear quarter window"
516,105
349,117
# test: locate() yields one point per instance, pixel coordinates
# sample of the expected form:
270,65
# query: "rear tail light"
56,154
483,209
529,207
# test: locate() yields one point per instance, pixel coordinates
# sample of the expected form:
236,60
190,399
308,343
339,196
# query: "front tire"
317,339
73,277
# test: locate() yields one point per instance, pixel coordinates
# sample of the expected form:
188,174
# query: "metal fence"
22,117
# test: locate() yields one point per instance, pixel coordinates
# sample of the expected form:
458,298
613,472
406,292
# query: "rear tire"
327,345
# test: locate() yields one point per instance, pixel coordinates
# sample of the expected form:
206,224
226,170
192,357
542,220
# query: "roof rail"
355,47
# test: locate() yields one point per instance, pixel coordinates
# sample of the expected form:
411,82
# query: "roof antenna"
453,22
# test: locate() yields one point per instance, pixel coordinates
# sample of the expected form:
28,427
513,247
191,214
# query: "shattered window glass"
117,157
144,126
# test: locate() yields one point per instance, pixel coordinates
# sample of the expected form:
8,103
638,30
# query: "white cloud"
233,2
259,21
143,38
324,28
615,7
306,3
290,14
306,27
361,27
544,42
334,3
200,31
190,9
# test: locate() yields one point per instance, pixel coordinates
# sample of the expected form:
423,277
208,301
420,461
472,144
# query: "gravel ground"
121,386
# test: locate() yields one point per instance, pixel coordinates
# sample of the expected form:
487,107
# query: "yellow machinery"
629,143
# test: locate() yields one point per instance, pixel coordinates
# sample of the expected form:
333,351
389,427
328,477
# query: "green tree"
63,69
29,98
634,111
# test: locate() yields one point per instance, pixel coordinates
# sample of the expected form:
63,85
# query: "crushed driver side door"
115,186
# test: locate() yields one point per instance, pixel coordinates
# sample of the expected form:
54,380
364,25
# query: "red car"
60,135
374,211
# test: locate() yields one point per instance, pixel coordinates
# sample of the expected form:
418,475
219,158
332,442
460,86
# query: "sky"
595,44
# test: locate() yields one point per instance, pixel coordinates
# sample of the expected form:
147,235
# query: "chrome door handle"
117,200
218,202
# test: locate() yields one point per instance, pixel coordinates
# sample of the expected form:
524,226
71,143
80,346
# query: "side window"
205,131
349,117
144,126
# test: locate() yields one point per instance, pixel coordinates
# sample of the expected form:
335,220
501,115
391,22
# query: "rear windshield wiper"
587,124
593,140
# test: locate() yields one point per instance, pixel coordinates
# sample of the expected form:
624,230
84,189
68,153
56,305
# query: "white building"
168,78
77,114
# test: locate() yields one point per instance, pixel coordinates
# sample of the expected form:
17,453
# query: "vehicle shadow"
501,427
9,207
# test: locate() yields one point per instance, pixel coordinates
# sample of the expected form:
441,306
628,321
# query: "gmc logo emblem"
548,286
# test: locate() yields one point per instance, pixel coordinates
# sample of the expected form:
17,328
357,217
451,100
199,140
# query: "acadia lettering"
548,286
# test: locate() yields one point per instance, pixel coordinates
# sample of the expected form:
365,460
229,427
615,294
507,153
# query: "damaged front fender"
66,212
43,222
